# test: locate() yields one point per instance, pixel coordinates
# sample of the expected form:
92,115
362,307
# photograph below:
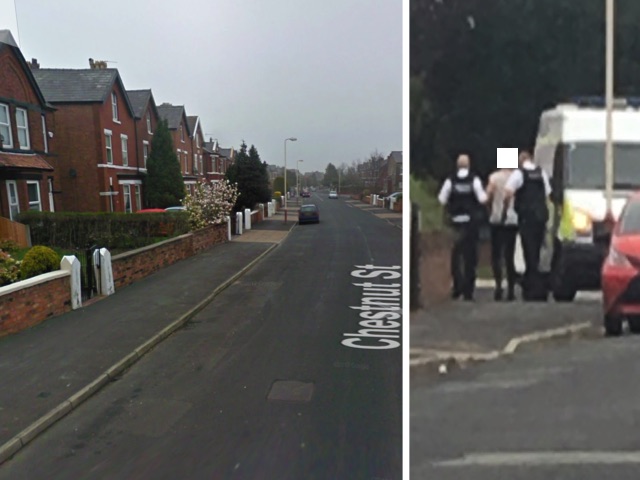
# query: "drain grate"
290,391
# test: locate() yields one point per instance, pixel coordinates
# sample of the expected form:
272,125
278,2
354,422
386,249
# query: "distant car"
620,280
308,214
333,194
306,194
175,209
151,210
395,196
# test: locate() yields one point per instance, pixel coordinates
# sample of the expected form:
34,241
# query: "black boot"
497,294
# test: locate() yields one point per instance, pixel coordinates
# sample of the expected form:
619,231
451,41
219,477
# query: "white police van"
570,147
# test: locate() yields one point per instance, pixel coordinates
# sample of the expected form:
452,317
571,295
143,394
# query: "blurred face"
463,161
523,157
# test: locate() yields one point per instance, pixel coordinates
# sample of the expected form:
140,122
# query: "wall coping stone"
33,281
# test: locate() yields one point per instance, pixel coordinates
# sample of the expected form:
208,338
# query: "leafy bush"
424,193
210,203
9,268
9,246
39,260
115,231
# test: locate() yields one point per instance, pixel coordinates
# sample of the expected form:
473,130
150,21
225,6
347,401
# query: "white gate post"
228,219
103,271
72,265
247,219
239,223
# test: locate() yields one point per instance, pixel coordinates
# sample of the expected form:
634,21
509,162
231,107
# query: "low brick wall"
435,267
27,303
132,266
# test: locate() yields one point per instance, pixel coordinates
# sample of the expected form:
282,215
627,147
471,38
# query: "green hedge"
109,230
424,192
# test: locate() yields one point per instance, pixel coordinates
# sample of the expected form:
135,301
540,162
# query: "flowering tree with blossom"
210,203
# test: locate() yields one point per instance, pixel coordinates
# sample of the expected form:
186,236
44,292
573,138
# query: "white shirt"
445,192
498,180
516,179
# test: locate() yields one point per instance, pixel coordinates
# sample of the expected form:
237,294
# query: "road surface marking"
543,459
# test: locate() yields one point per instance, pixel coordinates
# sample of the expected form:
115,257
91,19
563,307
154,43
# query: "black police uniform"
531,207
464,255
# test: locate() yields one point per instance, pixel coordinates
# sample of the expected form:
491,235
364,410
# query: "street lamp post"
608,155
298,181
292,139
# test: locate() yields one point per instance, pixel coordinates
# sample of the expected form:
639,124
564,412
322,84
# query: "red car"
621,272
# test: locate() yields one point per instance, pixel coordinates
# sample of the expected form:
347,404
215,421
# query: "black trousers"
464,258
503,245
531,236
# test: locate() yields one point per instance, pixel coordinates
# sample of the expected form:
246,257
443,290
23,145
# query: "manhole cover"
290,391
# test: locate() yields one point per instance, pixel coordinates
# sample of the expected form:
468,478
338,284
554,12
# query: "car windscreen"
630,218
584,165
308,208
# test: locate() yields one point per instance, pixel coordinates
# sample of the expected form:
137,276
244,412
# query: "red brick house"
217,160
95,132
26,128
146,117
176,117
197,146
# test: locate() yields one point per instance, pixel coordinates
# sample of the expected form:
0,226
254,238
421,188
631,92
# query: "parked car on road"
620,278
333,194
306,194
309,214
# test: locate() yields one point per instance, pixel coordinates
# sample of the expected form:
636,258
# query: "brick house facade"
146,118
197,147
26,125
98,165
176,118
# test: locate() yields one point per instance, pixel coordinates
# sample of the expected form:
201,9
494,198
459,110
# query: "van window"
585,165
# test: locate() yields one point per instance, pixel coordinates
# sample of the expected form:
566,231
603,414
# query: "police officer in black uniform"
463,196
531,187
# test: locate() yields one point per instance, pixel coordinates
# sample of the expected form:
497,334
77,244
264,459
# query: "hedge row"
109,230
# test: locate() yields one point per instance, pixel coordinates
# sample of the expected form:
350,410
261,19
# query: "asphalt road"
259,385
565,411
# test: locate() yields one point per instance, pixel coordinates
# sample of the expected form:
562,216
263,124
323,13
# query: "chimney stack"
34,64
92,63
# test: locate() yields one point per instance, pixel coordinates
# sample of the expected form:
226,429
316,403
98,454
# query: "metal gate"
88,282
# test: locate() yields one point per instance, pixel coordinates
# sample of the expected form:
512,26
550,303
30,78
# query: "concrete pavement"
569,413
459,332
50,369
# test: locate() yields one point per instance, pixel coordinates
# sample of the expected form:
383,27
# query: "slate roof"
192,120
209,147
65,85
396,155
225,152
6,37
7,41
172,114
139,100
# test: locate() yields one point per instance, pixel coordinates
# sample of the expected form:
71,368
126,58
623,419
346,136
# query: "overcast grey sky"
327,72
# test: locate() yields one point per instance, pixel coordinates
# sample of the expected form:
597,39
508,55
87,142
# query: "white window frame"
201,162
195,162
114,107
186,162
17,202
198,141
145,152
39,201
126,194
181,133
138,197
109,146
149,131
124,145
23,128
7,143
44,134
